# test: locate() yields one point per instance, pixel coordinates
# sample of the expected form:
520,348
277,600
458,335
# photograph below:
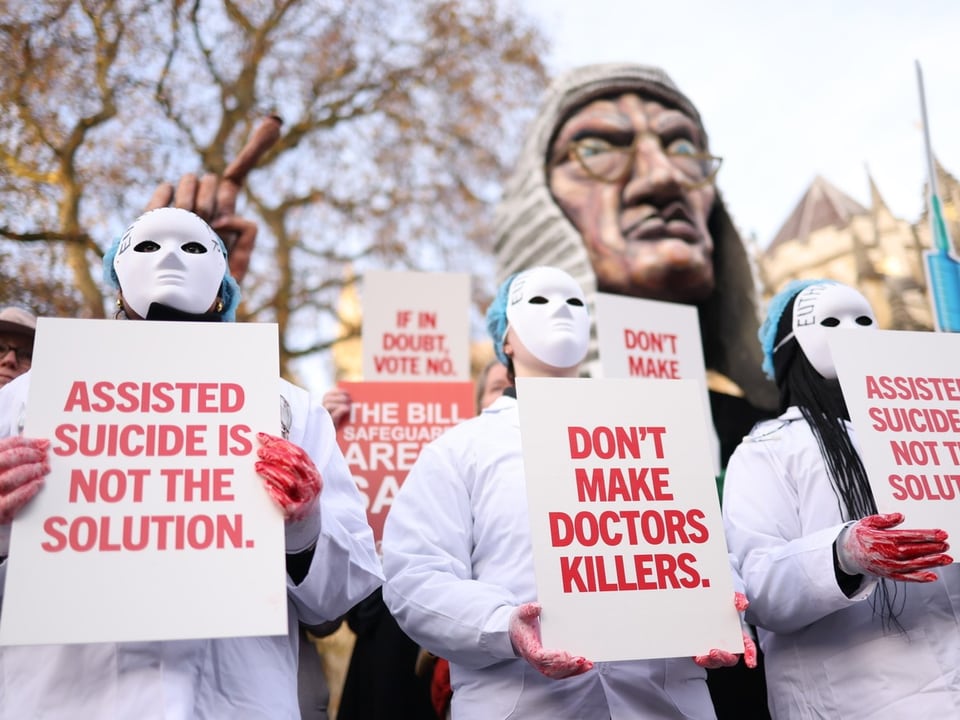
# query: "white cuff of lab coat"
301,534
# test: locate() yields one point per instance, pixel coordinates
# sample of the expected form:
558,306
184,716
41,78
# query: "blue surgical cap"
497,318
778,303
229,289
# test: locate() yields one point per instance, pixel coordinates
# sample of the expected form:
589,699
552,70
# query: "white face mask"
548,312
173,257
819,309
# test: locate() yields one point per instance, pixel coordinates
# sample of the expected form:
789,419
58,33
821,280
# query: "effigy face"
634,178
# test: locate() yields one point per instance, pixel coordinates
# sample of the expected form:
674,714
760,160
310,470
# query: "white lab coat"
458,559
251,678
827,655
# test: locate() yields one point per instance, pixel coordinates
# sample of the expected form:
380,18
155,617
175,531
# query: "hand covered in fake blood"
724,658
23,465
292,479
525,636
874,546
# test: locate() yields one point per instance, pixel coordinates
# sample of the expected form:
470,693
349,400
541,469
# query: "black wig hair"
823,407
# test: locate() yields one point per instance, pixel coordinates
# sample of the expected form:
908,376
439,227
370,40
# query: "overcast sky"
788,91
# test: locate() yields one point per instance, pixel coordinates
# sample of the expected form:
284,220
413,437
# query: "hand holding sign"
294,483
872,546
337,403
723,658
525,636
23,465
292,479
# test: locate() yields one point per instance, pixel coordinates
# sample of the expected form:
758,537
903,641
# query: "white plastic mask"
173,257
819,309
548,311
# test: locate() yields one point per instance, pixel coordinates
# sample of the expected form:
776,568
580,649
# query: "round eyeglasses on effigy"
611,163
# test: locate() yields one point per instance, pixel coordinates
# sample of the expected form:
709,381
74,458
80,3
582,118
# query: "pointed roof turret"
876,199
822,205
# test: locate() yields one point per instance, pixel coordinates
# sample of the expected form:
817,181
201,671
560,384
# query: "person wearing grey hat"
615,185
17,330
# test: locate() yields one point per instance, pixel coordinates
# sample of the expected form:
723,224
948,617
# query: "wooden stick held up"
264,135
214,197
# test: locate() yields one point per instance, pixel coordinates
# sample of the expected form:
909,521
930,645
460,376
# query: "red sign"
389,422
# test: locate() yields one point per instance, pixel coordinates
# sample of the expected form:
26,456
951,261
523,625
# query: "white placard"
416,326
152,524
654,340
903,393
628,544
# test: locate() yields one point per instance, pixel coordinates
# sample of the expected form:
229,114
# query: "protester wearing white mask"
547,312
457,549
169,265
170,258
856,615
819,308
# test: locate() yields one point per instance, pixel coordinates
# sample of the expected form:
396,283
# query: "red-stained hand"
292,479
724,658
23,465
872,546
525,636
337,403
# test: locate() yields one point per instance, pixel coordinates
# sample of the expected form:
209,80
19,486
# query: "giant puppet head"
615,186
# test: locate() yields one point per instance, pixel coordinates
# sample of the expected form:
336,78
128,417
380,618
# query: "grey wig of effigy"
532,229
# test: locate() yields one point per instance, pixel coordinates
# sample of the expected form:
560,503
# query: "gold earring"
219,305
119,301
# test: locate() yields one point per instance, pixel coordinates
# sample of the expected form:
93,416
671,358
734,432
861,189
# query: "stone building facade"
829,234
